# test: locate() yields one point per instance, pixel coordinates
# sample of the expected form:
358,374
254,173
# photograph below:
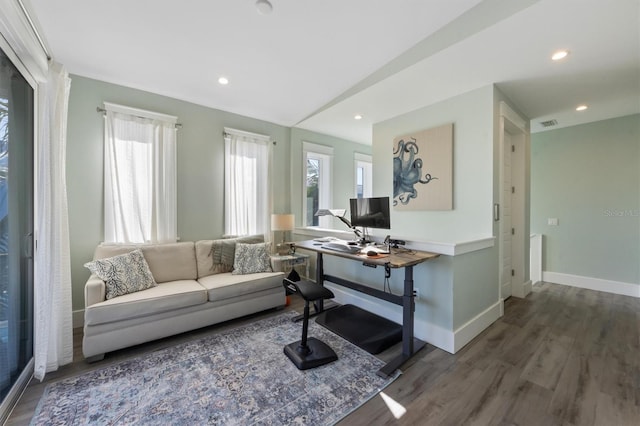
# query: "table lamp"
283,223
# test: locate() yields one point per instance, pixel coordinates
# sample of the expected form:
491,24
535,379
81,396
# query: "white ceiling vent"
549,123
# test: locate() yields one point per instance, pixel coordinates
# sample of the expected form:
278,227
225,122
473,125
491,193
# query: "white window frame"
325,155
365,162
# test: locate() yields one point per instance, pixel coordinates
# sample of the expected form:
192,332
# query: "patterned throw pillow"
123,274
251,258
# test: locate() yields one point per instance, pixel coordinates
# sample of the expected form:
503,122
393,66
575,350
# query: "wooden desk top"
398,258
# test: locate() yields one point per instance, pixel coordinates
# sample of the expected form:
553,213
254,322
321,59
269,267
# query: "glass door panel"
16,224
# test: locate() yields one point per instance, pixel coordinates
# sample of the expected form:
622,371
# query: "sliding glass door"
16,224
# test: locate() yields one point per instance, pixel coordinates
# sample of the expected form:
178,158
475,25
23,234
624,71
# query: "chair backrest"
289,286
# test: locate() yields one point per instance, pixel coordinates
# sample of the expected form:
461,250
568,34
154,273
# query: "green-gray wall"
471,217
588,177
469,292
200,166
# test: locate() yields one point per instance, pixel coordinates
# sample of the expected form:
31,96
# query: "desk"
396,259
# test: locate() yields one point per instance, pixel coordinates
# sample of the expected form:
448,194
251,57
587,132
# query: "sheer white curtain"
140,176
247,172
52,271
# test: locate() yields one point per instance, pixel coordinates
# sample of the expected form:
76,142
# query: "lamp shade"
282,222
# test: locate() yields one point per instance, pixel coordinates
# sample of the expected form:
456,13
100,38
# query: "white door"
513,229
506,226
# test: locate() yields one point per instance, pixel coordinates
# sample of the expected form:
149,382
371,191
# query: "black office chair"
308,352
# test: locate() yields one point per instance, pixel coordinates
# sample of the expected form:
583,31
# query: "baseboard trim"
447,340
430,333
615,287
78,318
476,325
521,290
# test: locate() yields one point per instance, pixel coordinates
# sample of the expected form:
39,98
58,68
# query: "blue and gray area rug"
237,377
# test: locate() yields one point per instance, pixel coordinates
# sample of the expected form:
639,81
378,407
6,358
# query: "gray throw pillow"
123,274
223,252
252,258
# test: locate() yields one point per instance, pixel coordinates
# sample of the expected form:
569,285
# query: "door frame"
20,46
512,123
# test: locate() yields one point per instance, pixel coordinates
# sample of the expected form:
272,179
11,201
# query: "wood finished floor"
561,356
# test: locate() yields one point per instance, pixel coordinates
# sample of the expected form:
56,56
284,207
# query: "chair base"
317,354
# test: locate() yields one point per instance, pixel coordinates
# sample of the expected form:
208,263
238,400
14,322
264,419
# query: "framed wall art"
423,170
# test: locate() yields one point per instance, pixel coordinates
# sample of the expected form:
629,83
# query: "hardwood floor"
562,356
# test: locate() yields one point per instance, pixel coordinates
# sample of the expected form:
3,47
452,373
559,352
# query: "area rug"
236,377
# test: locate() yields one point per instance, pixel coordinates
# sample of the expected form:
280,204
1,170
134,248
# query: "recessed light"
560,54
223,80
357,117
581,108
264,7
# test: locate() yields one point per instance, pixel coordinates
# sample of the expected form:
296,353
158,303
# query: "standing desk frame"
402,258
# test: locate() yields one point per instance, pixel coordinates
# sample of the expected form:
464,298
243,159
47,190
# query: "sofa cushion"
252,258
167,261
217,256
171,262
123,274
226,285
161,298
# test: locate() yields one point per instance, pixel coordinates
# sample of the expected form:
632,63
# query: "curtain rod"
225,134
104,112
34,29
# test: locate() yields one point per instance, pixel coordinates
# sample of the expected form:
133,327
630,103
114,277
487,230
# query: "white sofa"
191,293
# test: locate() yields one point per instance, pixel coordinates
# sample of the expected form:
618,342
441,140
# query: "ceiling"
314,64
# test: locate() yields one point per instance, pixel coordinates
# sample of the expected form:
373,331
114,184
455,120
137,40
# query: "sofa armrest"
94,291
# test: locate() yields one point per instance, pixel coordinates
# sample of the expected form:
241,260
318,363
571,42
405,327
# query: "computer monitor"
370,212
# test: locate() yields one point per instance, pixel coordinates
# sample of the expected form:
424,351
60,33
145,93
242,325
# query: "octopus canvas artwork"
423,170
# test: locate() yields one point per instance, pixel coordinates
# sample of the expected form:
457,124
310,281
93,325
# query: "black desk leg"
319,304
408,309
410,345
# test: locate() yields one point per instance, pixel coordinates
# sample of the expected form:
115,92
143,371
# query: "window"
317,188
247,193
140,176
16,223
364,175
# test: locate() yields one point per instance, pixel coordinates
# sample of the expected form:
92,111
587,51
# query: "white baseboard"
78,318
615,287
521,290
435,335
430,333
477,325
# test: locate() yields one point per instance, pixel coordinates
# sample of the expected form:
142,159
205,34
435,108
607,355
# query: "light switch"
553,221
